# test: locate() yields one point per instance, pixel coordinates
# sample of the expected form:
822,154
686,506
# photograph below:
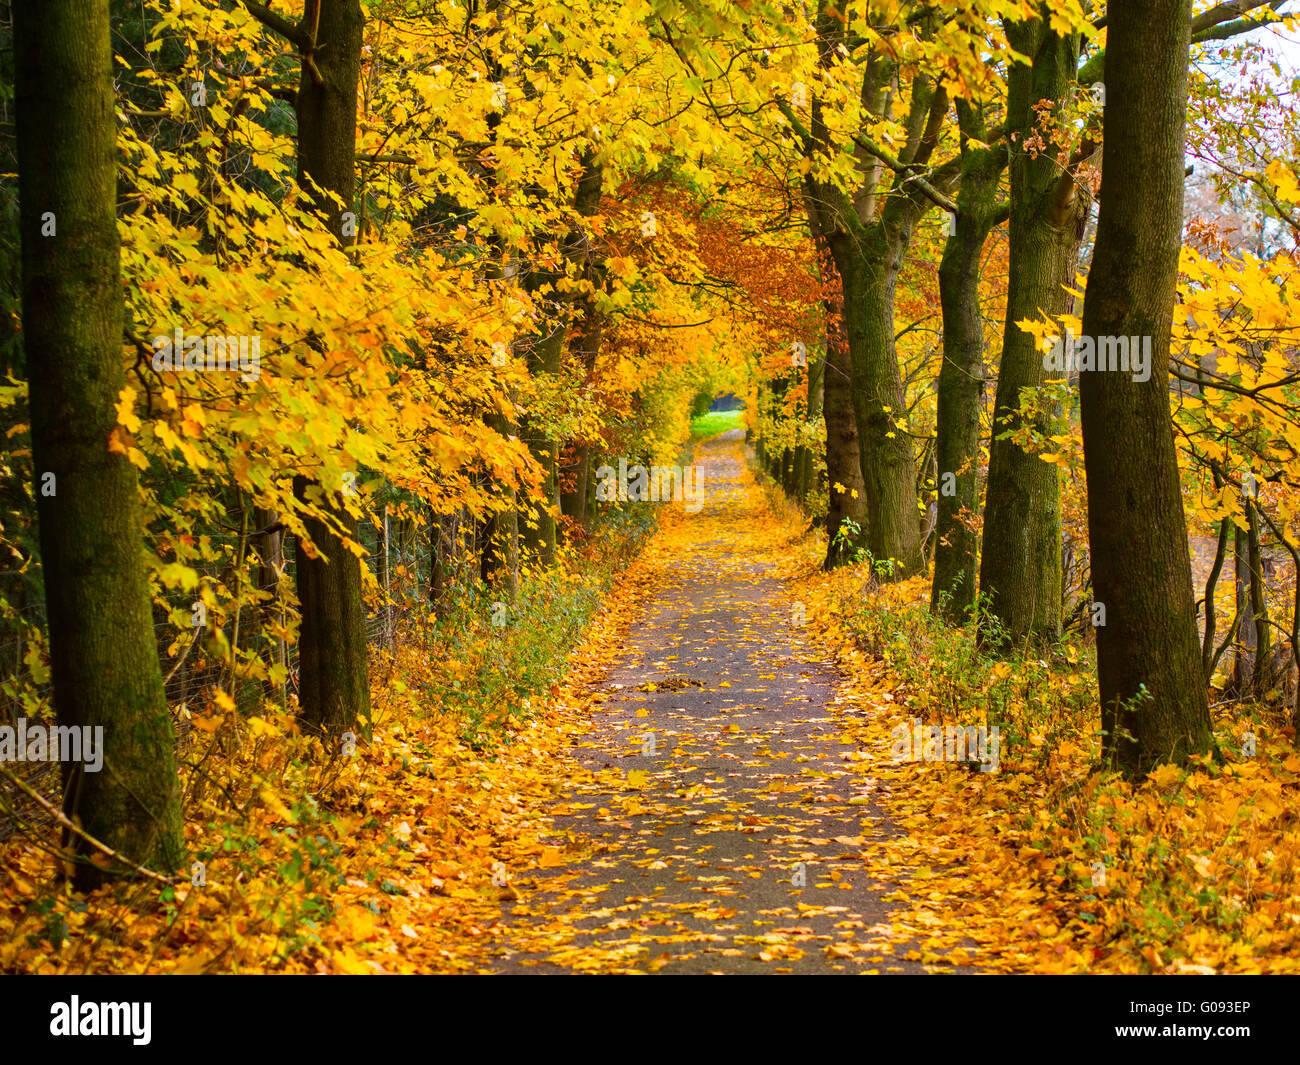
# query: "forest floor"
723,821
713,785
736,802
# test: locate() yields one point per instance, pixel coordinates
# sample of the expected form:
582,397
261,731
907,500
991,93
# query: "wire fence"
192,675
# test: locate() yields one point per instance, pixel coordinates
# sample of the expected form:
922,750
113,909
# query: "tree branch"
901,168
290,31
76,829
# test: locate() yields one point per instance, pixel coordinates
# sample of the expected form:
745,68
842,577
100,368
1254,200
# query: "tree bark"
870,270
103,652
1153,695
846,501
1261,681
499,562
444,559
961,375
868,246
334,687
1242,680
804,459
587,333
538,531
1020,567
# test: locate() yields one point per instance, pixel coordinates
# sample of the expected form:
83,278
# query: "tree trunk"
586,331
847,493
538,527
868,245
540,530
269,547
1020,568
870,272
444,560
1242,682
1262,678
499,562
805,460
1153,696
846,501
961,376
334,686
103,652
573,502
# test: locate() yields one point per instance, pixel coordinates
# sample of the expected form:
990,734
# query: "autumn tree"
846,494
569,309
1020,567
585,334
1052,170
334,687
869,226
104,657
1154,705
961,375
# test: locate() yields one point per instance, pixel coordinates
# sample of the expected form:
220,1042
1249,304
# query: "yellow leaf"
175,575
357,923
347,963
126,410
1166,776
274,804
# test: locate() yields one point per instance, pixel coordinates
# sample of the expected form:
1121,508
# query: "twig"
73,827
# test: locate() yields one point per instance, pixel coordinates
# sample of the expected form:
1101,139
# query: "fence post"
388,599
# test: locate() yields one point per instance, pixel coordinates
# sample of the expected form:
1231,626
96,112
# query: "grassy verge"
391,855
495,657
714,422
1053,863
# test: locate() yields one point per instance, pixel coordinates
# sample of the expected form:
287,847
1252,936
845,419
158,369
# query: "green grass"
503,669
714,422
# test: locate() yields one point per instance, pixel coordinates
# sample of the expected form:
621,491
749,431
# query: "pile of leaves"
1052,863
389,855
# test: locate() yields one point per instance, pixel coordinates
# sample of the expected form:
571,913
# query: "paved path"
731,840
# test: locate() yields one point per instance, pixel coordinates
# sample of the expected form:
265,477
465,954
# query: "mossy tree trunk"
868,242
961,375
1020,566
499,560
804,458
586,333
539,531
846,504
869,261
537,525
104,655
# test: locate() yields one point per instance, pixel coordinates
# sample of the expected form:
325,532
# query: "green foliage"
503,668
711,423
955,677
